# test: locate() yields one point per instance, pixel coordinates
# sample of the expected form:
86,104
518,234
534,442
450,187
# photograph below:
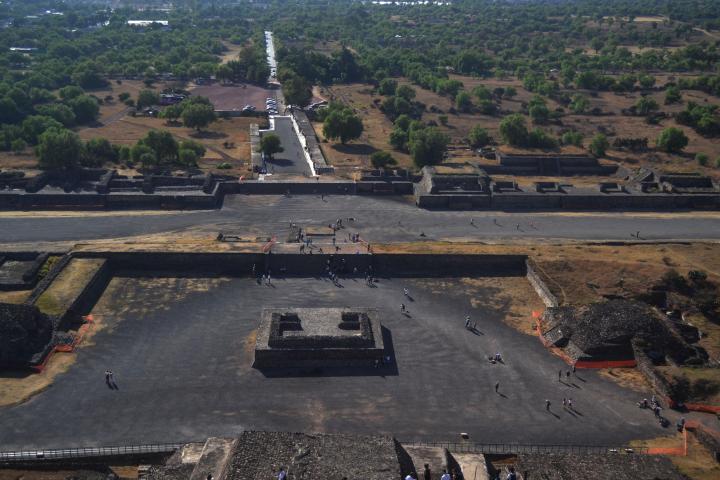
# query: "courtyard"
181,350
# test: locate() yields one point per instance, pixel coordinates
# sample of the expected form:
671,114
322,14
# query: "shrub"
702,159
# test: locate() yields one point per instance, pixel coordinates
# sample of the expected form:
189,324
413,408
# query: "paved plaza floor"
181,351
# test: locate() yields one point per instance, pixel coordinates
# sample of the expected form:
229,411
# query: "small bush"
224,166
702,159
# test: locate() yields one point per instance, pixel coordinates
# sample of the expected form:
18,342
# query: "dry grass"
627,378
699,463
21,386
128,130
693,374
613,122
18,296
65,288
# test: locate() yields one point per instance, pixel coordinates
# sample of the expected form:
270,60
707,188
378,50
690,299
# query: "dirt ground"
612,122
697,465
18,296
128,130
234,97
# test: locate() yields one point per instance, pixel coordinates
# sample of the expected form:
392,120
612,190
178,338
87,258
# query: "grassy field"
613,122
64,289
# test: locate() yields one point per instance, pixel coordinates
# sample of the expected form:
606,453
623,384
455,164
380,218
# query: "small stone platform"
318,337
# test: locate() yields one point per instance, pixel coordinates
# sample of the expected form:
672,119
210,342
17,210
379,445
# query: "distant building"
147,23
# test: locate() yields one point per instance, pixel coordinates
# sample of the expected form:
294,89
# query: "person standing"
547,405
427,474
497,387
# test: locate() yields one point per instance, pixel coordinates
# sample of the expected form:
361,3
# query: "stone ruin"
25,334
318,337
610,331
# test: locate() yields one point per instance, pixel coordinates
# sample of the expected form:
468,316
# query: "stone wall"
540,287
240,264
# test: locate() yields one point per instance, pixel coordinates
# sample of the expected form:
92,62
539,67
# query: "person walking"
497,386
402,308
567,375
570,403
406,292
467,321
547,405
560,376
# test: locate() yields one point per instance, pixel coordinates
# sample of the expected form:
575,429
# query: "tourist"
564,402
547,405
282,475
467,322
107,376
472,221
573,369
427,475
511,475
402,308
498,357
406,292
560,376
411,476
567,375
570,403
497,386
517,226
445,475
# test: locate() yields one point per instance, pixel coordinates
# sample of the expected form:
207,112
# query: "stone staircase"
214,458
433,456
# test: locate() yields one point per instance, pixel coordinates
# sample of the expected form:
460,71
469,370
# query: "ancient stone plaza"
318,337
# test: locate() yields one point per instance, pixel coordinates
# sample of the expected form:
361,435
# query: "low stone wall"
96,201
645,366
241,264
540,287
560,201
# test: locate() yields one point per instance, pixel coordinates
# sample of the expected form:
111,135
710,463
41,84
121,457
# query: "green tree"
513,130
399,139
427,146
85,108
196,147
579,104
198,116
270,145
646,81
58,111
572,138
539,113
71,91
172,112
163,145
139,154
98,151
478,137
59,148
406,92
672,95
599,145
463,102
18,145
382,159
646,105
147,98
341,123
387,87
297,90
34,125
672,140
187,157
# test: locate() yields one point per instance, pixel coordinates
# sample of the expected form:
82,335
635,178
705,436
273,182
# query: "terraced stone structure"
318,337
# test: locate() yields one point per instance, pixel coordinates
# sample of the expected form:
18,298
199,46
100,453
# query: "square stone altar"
318,337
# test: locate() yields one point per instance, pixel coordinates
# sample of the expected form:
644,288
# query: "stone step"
433,456
473,466
215,456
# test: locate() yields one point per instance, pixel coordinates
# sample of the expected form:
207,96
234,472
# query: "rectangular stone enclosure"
318,337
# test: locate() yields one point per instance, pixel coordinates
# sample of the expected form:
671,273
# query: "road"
292,159
377,219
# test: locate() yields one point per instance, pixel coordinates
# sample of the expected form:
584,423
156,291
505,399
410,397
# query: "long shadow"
281,162
389,369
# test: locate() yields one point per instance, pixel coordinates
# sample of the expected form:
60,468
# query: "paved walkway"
181,352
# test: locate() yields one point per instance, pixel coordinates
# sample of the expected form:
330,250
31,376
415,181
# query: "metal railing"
87,452
513,448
